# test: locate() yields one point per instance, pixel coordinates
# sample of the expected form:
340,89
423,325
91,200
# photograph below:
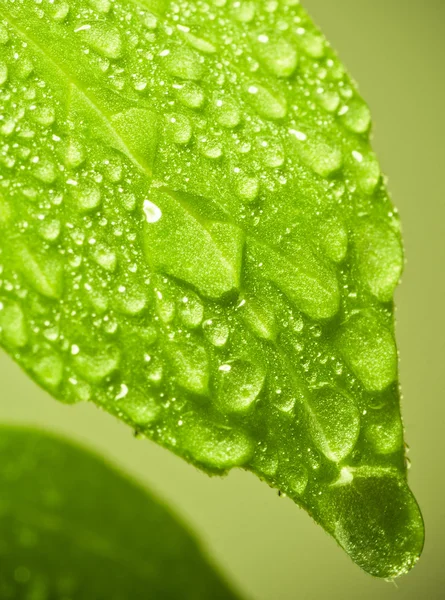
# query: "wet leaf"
195,235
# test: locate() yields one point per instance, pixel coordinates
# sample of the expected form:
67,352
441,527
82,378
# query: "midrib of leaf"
105,118
302,281
202,223
72,81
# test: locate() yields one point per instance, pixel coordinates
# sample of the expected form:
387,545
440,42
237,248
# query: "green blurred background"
270,548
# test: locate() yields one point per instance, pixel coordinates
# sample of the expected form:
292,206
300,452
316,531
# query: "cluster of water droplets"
242,341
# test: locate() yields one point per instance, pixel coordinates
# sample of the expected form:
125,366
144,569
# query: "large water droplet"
369,349
3,73
102,6
45,170
279,56
199,43
191,95
88,197
190,363
74,154
191,311
48,369
243,10
334,239
334,422
131,300
184,63
358,117
179,128
13,329
44,114
322,158
267,104
4,35
240,383
104,39
216,447
97,366
216,331
152,212
312,44
385,431
380,259
140,408
247,187
227,113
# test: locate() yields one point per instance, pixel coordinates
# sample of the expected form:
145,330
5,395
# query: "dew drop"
190,95
4,35
210,148
96,367
184,63
179,128
131,300
190,364
200,44
105,257
272,153
44,114
266,463
369,349
322,158
247,187
45,171
74,154
295,478
358,117
24,68
368,172
334,239
228,113
3,73
50,230
215,447
334,422
60,11
152,212
48,369
267,104
385,430
278,56
312,44
104,39
150,21
380,259
239,387
329,100
140,408
13,329
102,6
243,10
191,311
216,331
88,197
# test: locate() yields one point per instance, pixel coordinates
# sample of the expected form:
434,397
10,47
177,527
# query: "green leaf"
195,235
73,527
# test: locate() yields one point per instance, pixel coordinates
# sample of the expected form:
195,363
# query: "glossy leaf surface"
195,235
73,527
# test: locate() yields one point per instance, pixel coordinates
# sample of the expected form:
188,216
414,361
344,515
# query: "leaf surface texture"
195,235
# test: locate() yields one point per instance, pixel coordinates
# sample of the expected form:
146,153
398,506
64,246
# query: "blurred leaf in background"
72,527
